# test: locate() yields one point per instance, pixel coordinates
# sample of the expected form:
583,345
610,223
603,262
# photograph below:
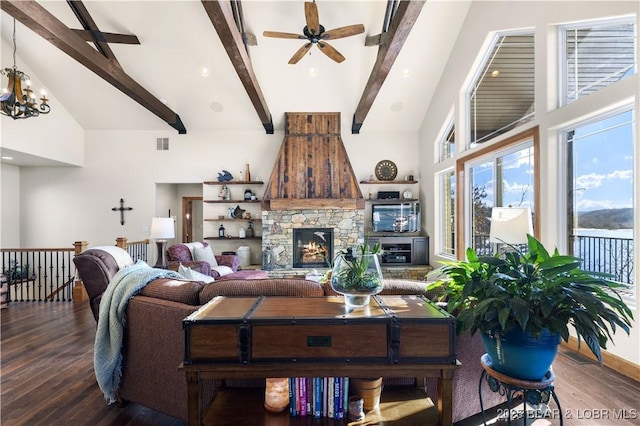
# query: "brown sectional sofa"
153,346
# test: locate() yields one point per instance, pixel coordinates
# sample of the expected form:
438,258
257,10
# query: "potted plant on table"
531,298
357,275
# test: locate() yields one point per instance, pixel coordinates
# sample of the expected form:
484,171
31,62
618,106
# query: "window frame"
567,175
462,182
562,50
477,75
440,214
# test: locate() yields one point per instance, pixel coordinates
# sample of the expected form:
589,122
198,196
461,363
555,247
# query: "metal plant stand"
534,392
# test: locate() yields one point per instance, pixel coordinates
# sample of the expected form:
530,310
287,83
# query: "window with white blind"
596,55
502,95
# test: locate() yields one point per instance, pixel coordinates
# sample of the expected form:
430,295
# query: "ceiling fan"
315,34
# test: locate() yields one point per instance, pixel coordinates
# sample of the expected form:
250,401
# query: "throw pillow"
222,270
190,274
199,276
205,253
185,272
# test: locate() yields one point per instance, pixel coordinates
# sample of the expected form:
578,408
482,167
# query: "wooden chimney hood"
312,170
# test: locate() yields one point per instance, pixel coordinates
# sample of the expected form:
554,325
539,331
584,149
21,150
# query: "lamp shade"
510,225
161,228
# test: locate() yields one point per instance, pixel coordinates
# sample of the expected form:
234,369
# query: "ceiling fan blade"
278,34
311,14
300,53
343,32
328,50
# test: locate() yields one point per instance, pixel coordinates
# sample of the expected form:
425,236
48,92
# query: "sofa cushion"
205,254
260,287
175,290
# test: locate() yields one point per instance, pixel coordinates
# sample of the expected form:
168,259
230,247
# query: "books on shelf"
319,397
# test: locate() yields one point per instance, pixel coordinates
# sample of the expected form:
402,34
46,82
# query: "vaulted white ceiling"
178,40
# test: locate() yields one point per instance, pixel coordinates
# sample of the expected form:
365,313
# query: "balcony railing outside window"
613,256
608,255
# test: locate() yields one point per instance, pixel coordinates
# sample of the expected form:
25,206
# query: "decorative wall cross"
122,209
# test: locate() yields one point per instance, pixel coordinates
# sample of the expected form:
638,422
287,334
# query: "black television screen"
400,217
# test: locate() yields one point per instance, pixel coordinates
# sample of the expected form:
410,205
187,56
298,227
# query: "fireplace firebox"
312,247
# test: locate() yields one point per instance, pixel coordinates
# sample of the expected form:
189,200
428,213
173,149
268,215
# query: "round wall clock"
386,170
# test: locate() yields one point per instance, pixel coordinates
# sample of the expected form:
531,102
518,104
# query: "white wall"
482,19
10,206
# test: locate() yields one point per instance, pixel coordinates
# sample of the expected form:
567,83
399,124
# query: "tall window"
448,142
595,56
502,95
448,213
503,175
601,212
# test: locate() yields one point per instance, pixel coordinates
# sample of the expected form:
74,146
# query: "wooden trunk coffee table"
260,337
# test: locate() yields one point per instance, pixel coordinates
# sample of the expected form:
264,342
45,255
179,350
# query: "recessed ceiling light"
5,157
495,73
397,106
313,72
204,71
216,106
406,72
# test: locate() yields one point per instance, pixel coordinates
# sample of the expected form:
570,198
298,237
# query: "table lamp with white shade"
510,225
161,229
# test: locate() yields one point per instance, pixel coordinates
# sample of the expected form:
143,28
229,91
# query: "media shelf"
402,250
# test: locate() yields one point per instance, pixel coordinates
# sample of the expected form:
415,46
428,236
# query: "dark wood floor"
48,379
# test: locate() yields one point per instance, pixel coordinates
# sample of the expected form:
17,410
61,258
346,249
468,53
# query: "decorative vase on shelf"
357,276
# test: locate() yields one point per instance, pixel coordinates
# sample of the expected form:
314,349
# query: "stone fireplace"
278,228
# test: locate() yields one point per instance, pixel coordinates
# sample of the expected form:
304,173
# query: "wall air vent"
162,144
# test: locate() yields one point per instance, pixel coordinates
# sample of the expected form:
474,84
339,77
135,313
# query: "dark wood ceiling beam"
221,16
43,23
391,43
88,35
88,23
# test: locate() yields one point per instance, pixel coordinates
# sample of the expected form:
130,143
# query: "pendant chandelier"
13,102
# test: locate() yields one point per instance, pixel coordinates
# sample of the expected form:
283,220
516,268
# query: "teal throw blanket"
107,357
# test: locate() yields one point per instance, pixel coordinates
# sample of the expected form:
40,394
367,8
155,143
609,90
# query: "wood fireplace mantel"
312,204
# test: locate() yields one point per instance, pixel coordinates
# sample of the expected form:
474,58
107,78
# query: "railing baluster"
36,275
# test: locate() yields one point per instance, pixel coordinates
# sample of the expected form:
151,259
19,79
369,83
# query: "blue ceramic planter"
521,355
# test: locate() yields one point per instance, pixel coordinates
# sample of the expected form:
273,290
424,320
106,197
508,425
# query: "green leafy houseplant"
534,290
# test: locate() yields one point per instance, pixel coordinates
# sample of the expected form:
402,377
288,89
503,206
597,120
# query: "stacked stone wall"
277,229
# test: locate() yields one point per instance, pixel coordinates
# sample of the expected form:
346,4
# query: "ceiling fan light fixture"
313,72
13,102
314,33
204,72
